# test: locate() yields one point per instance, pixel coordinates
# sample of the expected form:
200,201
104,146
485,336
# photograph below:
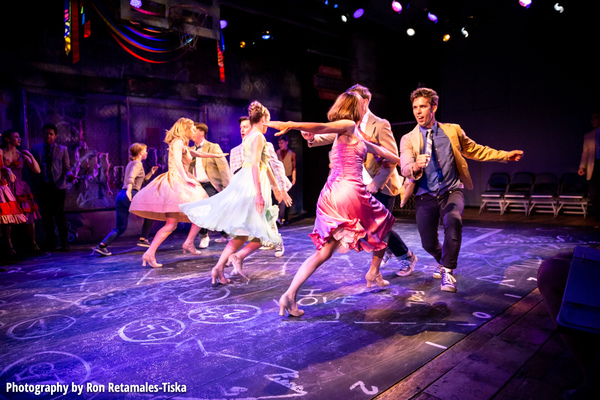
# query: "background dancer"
16,160
133,180
212,173
159,200
348,216
243,209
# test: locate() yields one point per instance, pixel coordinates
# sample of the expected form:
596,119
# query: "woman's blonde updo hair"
181,130
346,106
135,150
256,111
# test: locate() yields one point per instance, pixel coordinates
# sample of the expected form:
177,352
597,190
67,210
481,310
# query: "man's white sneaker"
204,242
408,265
279,250
448,280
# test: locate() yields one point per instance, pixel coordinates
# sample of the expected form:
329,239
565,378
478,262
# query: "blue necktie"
431,152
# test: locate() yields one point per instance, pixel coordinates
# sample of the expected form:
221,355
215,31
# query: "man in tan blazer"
212,173
440,173
385,182
588,166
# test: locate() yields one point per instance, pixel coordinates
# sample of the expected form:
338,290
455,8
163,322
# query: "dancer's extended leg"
308,267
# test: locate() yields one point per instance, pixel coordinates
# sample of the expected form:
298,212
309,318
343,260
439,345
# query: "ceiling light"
525,3
396,6
432,17
559,8
410,32
358,13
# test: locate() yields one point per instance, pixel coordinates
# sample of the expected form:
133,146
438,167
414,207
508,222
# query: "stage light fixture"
242,44
432,17
135,3
396,6
266,35
410,32
344,18
464,32
525,3
446,37
223,24
358,13
559,8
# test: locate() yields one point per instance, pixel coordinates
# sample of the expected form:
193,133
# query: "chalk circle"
482,315
151,329
204,295
225,314
45,368
40,327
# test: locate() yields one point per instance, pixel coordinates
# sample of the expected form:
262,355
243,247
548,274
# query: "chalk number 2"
361,384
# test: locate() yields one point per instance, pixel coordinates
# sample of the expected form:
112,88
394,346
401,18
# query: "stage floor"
93,323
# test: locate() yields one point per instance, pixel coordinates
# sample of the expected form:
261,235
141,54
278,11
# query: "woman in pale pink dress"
160,199
348,216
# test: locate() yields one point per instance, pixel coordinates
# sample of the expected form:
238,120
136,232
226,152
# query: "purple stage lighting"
358,13
396,6
525,3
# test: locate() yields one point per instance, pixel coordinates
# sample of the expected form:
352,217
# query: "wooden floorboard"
517,355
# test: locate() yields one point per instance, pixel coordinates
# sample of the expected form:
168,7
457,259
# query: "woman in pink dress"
10,211
16,160
160,199
348,216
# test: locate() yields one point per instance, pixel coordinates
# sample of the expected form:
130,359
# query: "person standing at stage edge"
432,155
386,181
591,169
288,158
212,173
55,166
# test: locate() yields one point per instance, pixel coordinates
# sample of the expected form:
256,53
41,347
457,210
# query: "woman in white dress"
243,209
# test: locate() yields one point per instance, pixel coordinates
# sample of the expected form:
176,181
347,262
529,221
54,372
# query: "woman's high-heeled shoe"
218,278
378,279
190,248
147,258
285,304
235,262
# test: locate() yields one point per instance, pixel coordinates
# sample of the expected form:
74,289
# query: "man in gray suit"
52,186
385,181
212,173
